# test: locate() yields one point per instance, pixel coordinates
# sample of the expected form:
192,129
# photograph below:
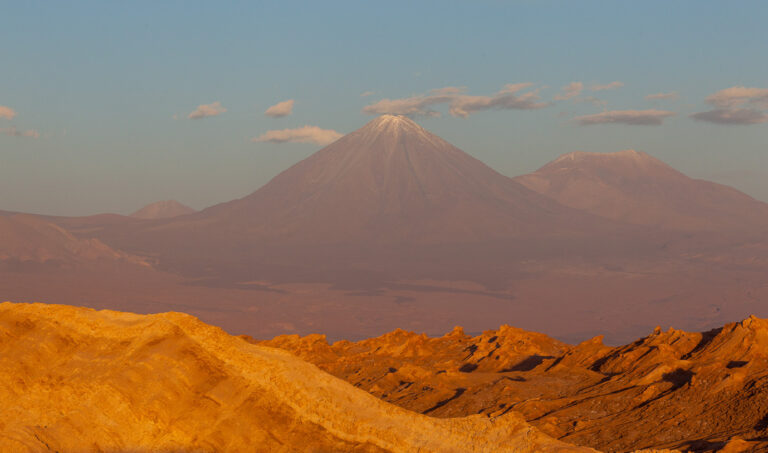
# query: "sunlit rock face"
78,380
671,389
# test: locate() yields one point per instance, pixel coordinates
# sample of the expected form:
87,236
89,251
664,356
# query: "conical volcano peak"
394,122
394,129
393,181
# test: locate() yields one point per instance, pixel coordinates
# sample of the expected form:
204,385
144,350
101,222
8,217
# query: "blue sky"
101,83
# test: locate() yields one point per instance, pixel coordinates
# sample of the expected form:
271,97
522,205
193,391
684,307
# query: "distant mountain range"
163,210
30,243
390,201
391,213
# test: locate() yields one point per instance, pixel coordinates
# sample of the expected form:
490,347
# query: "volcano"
390,199
634,187
394,181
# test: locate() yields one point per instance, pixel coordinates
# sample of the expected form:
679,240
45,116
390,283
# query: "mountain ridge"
29,242
164,209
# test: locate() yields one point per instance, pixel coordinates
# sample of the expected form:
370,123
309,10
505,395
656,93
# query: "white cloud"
662,96
7,112
206,110
505,99
732,116
630,117
305,134
412,106
365,94
607,86
736,105
459,104
13,132
739,95
571,90
280,109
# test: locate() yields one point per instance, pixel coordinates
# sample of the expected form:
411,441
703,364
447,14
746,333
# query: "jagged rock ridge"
698,392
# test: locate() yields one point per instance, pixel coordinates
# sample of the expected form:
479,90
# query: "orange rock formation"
692,391
76,379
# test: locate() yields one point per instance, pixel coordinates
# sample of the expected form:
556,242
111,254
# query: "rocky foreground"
78,380
699,392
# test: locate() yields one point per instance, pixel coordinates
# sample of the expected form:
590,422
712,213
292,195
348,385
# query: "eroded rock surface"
690,391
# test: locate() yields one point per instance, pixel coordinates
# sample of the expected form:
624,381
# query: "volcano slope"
75,379
672,389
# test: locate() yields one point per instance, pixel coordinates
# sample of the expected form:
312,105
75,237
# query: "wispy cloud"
593,100
7,112
662,96
505,99
13,132
365,94
459,104
629,117
419,105
732,116
571,90
738,95
737,105
280,109
206,110
607,86
305,134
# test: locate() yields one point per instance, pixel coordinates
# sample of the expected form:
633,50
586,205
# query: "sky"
108,106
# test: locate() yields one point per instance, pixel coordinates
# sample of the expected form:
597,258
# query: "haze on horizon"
109,107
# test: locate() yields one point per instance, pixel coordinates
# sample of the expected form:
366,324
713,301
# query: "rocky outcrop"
76,379
672,389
